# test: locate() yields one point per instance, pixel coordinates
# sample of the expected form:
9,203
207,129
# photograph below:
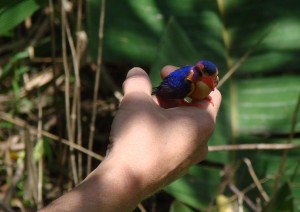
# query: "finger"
167,70
212,104
217,99
137,80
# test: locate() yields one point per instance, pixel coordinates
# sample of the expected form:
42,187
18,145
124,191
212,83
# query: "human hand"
158,140
154,142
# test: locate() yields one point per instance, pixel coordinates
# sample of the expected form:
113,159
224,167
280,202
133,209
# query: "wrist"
122,187
143,174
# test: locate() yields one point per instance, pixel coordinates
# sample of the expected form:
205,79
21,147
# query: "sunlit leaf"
266,105
14,12
132,29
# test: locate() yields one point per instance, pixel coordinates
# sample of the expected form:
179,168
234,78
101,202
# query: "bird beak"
209,81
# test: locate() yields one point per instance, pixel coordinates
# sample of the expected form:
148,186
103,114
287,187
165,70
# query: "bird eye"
206,68
196,70
200,69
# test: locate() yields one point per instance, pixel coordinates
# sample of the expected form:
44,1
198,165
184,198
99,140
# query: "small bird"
195,82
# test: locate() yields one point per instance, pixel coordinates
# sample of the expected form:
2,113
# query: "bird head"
208,72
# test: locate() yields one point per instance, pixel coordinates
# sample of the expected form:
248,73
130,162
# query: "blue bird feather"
175,85
196,81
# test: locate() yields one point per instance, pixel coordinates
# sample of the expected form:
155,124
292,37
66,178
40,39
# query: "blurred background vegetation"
60,85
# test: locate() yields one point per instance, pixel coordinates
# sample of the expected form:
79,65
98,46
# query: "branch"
239,147
256,180
21,123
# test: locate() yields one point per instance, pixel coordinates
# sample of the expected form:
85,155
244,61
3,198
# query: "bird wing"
176,85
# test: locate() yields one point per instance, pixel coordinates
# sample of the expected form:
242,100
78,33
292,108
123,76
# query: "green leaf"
132,30
278,51
14,12
176,50
179,207
266,105
13,60
254,103
197,188
6,125
43,149
259,99
282,201
38,150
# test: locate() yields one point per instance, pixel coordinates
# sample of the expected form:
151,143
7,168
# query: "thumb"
137,80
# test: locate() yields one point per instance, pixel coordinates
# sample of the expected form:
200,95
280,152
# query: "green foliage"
179,207
13,62
259,99
282,200
266,105
168,51
14,12
196,188
132,30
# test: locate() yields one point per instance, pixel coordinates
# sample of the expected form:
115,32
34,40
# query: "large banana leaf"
132,30
254,104
259,100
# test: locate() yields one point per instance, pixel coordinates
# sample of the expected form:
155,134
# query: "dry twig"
240,147
255,180
97,82
21,123
65,30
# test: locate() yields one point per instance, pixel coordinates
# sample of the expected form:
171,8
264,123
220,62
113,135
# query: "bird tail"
154,91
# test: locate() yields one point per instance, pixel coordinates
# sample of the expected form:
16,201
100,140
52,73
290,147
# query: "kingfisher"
195,82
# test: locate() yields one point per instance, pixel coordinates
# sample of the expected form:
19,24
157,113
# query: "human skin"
153,142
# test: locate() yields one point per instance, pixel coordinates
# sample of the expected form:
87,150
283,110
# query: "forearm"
111,187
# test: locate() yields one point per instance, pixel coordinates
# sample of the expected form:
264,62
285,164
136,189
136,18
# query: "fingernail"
135,71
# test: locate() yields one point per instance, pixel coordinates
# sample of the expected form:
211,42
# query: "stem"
78,87
97,82
21,123
67,90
